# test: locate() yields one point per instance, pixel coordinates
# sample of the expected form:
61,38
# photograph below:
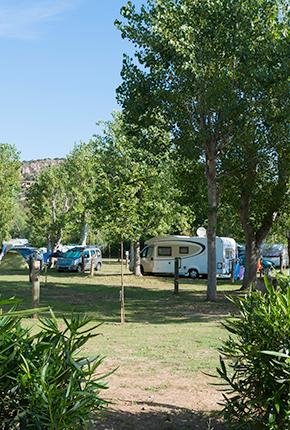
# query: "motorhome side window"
164,251
150,251
144,252
183,250
229,253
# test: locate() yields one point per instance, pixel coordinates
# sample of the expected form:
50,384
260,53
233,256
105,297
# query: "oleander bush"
45,381
255,364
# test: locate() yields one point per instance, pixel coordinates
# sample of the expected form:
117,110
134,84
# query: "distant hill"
30,169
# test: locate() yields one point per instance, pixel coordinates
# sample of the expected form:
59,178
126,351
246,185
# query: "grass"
163,330
160,353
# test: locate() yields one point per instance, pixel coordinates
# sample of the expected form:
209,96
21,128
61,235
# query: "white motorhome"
277,253
159,254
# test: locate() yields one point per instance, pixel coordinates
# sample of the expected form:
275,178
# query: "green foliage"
20,225
214,73
83,171
113,186
45,383
9,186
255,363
137,196
281,231
48,203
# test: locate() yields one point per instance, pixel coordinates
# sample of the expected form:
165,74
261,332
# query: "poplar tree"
197,64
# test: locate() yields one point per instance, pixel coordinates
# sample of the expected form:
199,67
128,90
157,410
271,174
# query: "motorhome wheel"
98,267
193,274
80,268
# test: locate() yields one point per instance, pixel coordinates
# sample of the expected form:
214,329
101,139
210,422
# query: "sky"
60,63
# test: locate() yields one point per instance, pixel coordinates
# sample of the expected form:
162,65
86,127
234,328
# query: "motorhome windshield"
73,254
272,250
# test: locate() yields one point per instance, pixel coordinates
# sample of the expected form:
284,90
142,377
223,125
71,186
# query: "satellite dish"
201,232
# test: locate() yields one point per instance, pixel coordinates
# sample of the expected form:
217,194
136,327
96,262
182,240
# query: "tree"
49,204
187,66
9,187
256,168
141,197
135,197
82,172
200,68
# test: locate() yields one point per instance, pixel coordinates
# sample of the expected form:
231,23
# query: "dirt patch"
163,401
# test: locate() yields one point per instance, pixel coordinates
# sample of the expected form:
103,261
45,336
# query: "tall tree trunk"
57,241
137,259
254,238
49,245
252,256
132,256
85,234
212,222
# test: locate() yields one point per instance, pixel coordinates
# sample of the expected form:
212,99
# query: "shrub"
44,381
255,361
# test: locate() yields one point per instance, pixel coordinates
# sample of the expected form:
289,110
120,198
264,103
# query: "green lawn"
164,332
180,331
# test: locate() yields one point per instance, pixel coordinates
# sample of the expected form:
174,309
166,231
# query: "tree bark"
254,238
137,259
132,256
49,245
58,240
252,256
85,234
212,222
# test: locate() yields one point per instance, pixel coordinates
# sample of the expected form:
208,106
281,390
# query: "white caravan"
159,255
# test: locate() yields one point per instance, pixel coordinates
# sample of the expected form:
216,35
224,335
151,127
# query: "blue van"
72,260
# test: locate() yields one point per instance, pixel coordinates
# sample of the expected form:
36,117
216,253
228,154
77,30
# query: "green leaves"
137,194
9,186
45,381
256,363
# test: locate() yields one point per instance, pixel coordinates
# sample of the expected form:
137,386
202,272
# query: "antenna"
201,232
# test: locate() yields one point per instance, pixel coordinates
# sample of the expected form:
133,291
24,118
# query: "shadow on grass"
143,305
156,416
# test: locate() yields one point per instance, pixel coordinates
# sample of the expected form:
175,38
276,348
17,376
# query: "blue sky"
60,66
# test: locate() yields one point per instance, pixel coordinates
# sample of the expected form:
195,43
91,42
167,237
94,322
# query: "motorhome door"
164,261
147,259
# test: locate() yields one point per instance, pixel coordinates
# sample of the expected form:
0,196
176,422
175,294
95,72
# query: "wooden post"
281,262
35,284
30,267
122,292
83,263
176,275
45,271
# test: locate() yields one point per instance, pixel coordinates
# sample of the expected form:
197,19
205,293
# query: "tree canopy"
213,73
9,187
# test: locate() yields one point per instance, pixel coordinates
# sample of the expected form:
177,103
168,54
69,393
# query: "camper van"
276,253
159,254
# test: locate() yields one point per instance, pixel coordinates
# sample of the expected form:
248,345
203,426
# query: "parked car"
74,258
